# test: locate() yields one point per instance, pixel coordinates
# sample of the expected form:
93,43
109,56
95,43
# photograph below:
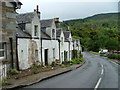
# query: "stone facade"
8,33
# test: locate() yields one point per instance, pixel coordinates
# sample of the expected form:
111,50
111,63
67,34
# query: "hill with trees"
96,32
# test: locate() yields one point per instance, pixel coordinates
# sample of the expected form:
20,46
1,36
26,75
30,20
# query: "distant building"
68,47
8,35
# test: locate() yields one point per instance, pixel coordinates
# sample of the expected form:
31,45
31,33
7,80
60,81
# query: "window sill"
1,58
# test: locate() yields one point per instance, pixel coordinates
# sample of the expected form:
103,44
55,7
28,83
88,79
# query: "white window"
35,30
2,50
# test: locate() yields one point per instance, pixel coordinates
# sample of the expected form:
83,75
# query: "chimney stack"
37,11
56,20
37,8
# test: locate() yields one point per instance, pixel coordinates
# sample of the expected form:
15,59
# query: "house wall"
62,47
36,21
28,28
50,44
49,30
26,53
66,48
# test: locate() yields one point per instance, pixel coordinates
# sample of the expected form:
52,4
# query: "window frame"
53,32
35,30
3,50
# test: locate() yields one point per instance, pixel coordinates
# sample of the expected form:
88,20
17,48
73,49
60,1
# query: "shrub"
35,71
5,83
114,56
14,71
65,62
53,64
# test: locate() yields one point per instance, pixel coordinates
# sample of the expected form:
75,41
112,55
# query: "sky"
69,9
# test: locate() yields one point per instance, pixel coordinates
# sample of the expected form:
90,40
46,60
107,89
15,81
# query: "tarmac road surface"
97,72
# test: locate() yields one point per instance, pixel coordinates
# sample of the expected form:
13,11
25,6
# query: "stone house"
29,39
60,37
8,35
77,49
68,45
50,45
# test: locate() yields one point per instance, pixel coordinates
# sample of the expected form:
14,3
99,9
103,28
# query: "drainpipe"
41,52
59,49
11,47
69,50
17,63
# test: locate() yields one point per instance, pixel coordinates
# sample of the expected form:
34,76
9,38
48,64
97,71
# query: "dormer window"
35,30
53,32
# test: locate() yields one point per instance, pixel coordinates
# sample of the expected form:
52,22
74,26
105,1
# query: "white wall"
3,71
36,21
23,53
26,52
50,44
49,30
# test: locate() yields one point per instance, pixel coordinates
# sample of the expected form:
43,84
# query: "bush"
53,64
14,71
114,56
36,66
5,83
72,62
35,71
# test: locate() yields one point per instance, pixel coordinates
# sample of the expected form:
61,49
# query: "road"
97,72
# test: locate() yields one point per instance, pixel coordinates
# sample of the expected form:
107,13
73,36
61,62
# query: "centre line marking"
98,83
102,72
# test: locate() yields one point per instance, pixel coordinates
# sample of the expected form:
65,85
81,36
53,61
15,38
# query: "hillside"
95,32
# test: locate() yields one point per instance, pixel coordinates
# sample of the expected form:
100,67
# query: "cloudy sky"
69,9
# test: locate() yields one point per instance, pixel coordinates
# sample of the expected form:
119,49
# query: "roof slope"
25,18
44,35
66,34
46,23
21,33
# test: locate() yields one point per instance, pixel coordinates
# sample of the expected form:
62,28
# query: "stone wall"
7,31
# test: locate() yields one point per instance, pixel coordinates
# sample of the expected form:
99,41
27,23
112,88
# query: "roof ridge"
25,13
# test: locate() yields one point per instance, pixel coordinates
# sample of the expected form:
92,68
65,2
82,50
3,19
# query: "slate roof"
25,18
44,35
66,34
74,39
21,33
46,23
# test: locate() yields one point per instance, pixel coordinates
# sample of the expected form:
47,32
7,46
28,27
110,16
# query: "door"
46,57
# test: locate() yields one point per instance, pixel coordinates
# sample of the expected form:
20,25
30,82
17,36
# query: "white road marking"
99,81
113,62
102,72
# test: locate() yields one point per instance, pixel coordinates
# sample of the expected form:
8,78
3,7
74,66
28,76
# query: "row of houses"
32,41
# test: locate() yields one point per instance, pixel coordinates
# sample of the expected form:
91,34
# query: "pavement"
35,78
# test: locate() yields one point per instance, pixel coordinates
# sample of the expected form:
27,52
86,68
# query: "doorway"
46,57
